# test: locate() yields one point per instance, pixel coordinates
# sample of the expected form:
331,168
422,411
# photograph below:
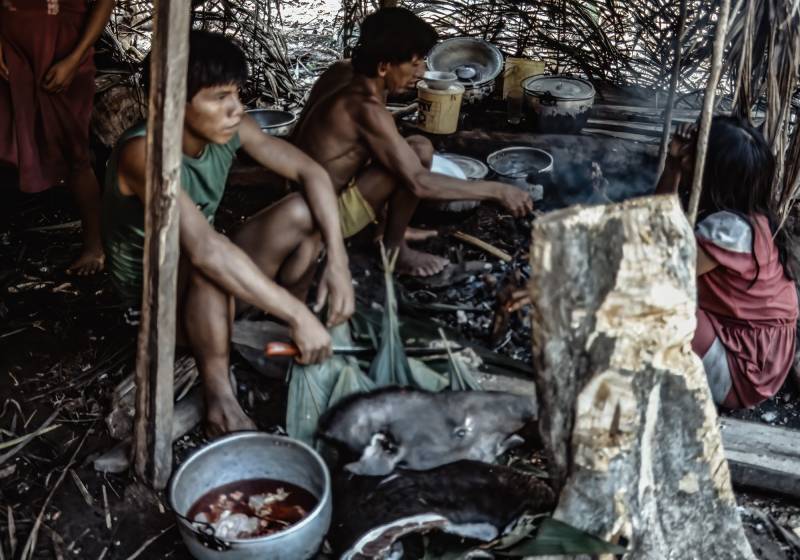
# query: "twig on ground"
105,507
480,244
30,544
82,488
55,227
147,543
58,543
22,441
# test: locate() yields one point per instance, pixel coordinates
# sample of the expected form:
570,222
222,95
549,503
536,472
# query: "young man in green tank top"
214,271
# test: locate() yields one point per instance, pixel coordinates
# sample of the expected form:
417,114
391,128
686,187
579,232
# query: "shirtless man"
348,130
213,271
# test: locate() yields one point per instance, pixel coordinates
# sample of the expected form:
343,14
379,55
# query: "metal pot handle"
205,534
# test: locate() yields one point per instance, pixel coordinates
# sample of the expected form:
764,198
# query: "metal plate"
560,87
472,168
463,55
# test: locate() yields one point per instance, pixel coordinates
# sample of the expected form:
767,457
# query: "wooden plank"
635,127
156,348
622,135
762,456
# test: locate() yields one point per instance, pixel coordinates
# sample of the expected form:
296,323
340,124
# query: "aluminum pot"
249,455
557,104
273,122
523,167
475,62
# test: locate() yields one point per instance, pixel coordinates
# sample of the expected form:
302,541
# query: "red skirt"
45,136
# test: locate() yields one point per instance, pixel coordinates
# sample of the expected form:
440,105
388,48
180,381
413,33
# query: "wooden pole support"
673,86
152,448
707,114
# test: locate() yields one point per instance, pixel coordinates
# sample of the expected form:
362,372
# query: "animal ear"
377,459
510,442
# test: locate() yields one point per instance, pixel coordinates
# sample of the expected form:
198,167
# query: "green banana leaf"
315,388
391,366
556,537
461,376
310,389
425,377
351,380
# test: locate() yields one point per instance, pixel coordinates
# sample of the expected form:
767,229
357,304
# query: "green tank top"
203,178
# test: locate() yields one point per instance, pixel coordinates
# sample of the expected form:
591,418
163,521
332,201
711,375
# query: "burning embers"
247,509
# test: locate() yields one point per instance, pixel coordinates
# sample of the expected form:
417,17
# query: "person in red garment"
46,89
747,303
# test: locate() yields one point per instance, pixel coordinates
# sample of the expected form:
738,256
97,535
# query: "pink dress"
744,332
43,135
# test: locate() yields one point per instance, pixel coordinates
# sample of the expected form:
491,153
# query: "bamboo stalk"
708,109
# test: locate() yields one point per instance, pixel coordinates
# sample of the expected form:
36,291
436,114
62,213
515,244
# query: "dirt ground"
64,344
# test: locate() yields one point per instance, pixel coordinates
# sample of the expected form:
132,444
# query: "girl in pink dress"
46,90
747,303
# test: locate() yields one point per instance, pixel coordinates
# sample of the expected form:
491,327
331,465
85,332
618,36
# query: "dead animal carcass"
418,430
467,498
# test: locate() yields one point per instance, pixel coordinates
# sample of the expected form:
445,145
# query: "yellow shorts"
355,213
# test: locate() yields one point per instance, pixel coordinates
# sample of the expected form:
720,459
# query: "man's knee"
423,148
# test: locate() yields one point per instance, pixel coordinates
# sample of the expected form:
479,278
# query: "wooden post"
156,350
720,38
625,409
673,86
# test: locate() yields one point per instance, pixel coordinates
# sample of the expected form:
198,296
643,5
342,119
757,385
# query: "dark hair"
391,35
214,60
738,176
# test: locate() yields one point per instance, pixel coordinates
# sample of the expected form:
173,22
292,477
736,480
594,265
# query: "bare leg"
378,186
282,232
86,192
207,322
424,150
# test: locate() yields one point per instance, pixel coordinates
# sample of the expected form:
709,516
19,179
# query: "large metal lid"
474,61
561,87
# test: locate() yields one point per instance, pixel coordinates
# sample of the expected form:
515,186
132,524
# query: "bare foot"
224,415
91,261
417,263
416,234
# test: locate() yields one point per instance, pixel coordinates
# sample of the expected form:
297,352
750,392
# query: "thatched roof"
626,43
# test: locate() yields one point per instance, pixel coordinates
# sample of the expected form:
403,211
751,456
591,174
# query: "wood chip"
12,532
105,507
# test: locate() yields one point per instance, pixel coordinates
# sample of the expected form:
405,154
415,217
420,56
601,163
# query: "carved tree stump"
625,407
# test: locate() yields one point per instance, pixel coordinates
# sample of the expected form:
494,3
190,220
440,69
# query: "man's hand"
313,340
3,67
336,286
60,75
515,200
